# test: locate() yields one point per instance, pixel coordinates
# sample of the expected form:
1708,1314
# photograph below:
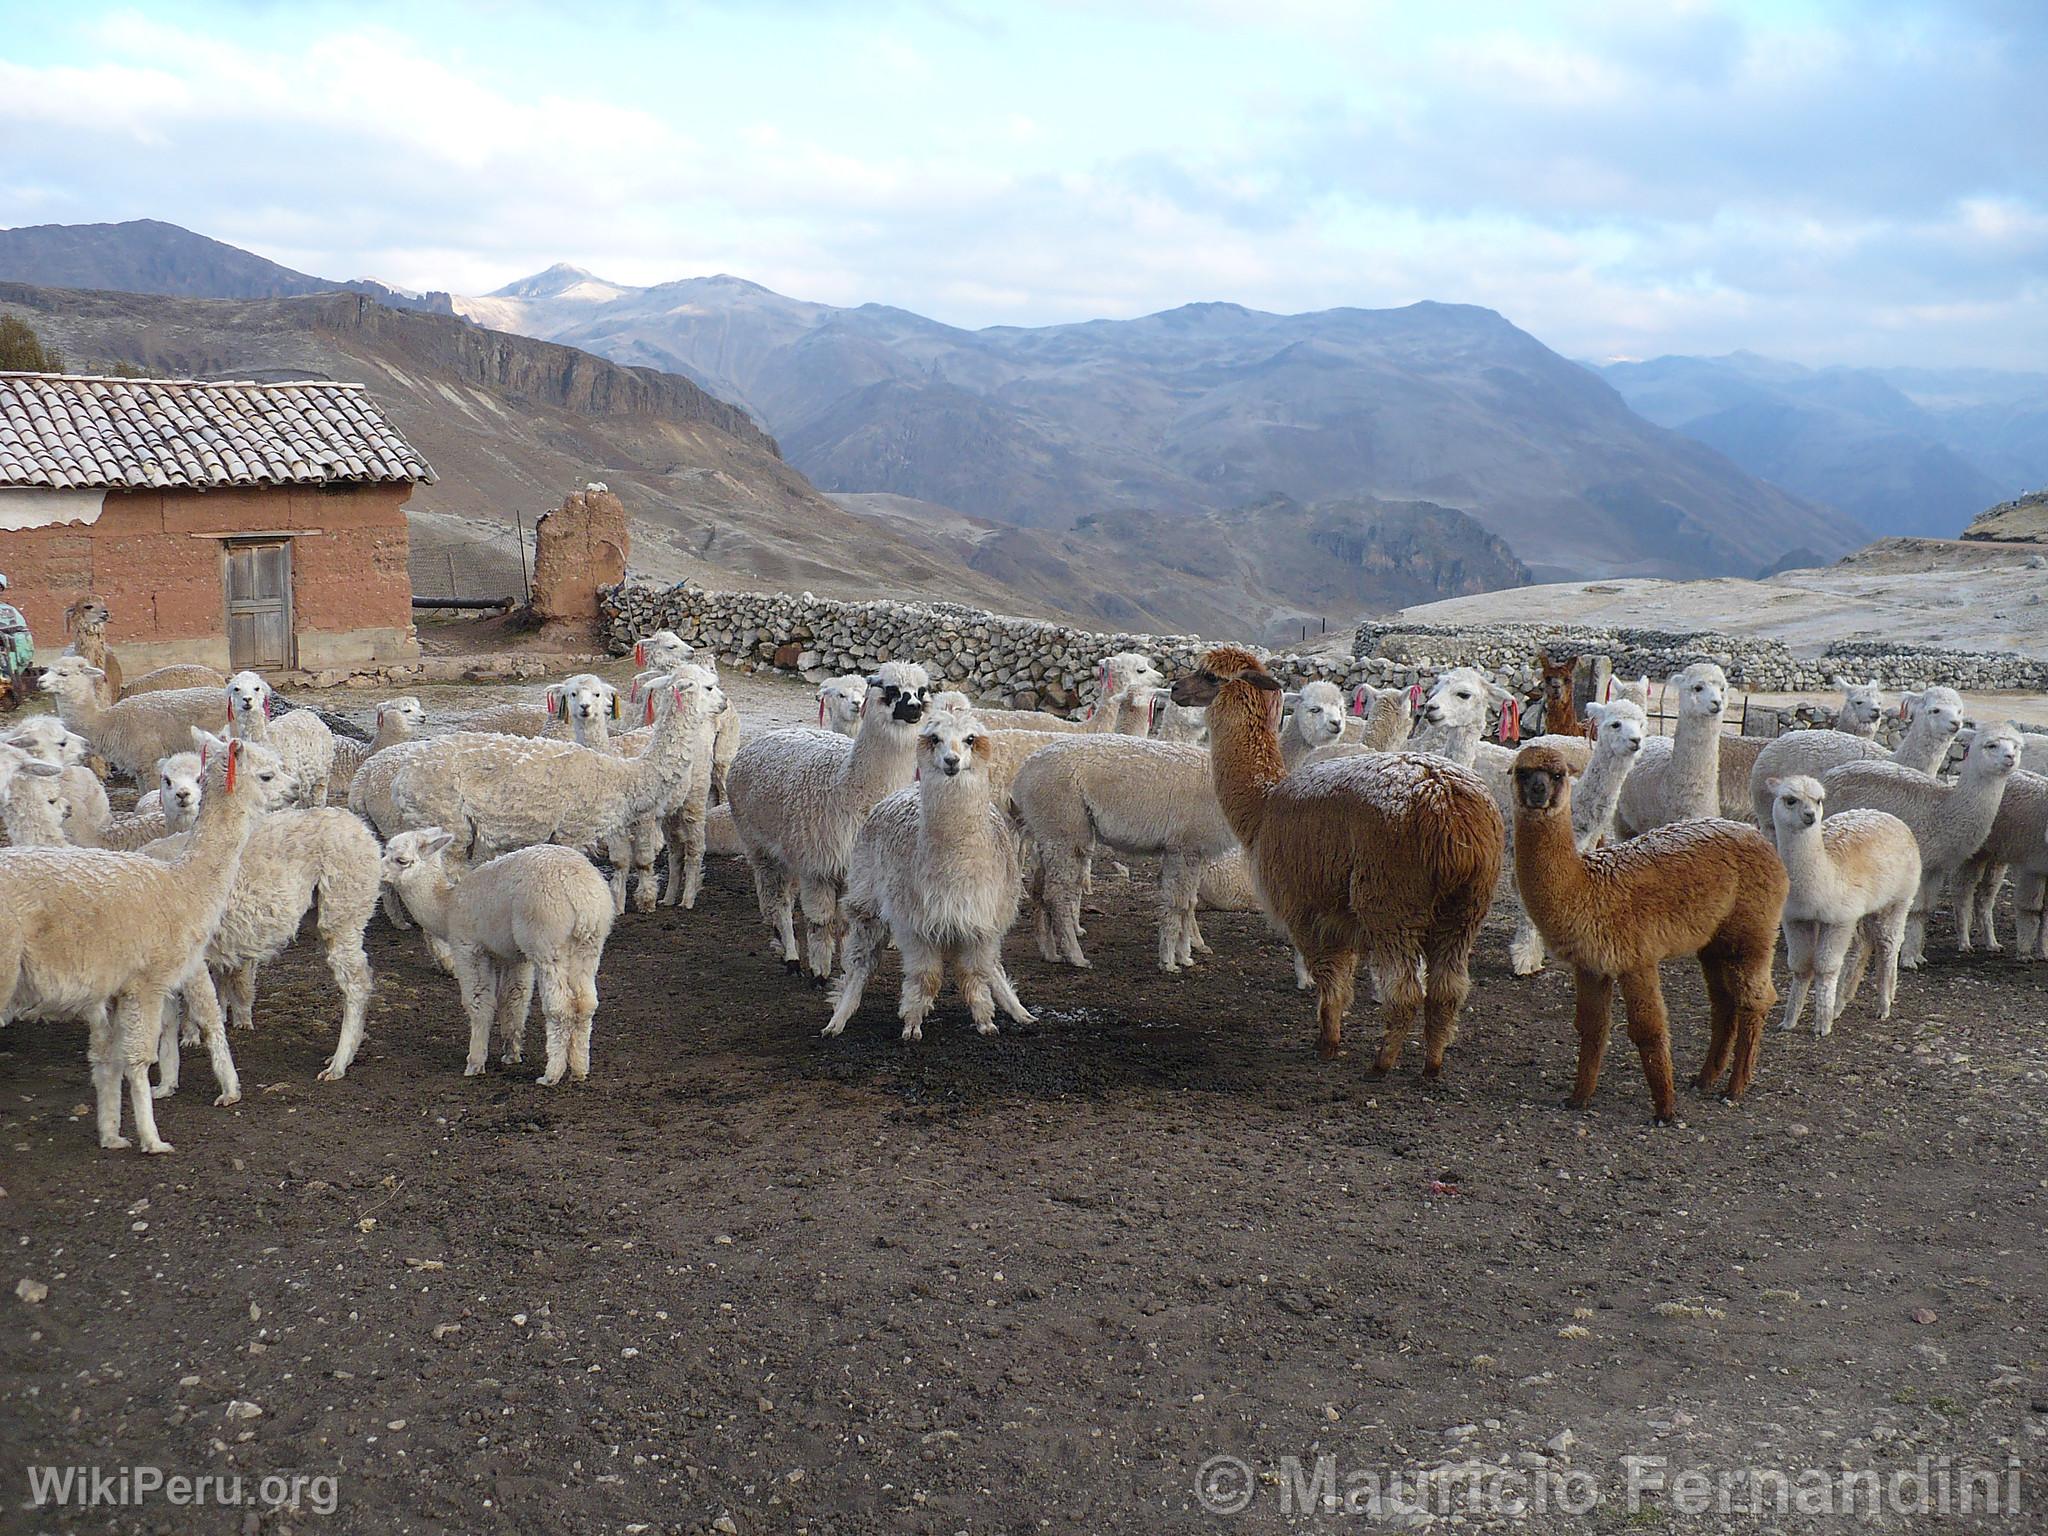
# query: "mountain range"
1209,467
1904,451
1205,408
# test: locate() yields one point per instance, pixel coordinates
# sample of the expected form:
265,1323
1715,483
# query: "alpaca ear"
433,840
1291,699
1498,694
1265,682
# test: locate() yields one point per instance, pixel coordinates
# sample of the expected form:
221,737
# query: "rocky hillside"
1203,408
2024,520
512,424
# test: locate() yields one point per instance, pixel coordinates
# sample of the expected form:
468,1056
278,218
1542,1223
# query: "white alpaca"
1315,718
2018,841
1381,719
1678,777
32,806
1862,708
1133,795
1854,876
935,870
1619,730
664,651
46,739
800,797
170,806
1949,821
1124,686
105,937
839,703
298,736
399,719
533,914
292,858
1934,717
1454,721
137,733
511,792
677,824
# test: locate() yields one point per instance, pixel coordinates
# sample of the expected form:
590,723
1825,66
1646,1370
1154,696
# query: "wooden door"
259,583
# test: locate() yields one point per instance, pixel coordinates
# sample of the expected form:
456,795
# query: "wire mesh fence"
465,559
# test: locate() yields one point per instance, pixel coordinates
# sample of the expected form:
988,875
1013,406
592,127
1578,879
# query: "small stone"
242,1408
1561,1443
1924,1315
34,1292
725,1523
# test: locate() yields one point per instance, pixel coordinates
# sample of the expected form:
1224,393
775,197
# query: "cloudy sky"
1860,182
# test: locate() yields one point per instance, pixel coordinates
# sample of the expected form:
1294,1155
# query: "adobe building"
232,524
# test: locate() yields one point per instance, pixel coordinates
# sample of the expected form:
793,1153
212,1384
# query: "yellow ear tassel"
617,712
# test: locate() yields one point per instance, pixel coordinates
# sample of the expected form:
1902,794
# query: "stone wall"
1026,663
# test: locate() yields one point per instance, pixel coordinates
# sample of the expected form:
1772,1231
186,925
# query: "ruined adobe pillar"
577,548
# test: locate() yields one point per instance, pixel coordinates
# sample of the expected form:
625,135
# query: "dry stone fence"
1032,664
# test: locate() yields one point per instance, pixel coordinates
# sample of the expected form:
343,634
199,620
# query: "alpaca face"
178,783
1702,690
1862,705
1557,678
951,743
1797,803
1542,780
43,738
1319,714
664,650
1940,708
1619,727
89,614
1460,698
903,689
693,687
248,695
406,708
840,701
411,855
585,699
69,677
1126,673
1996,751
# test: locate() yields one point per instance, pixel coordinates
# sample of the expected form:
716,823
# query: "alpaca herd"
1373,829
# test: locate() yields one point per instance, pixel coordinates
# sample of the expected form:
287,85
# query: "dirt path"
1028,1283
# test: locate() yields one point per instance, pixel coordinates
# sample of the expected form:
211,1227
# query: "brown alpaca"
1390,857
1707,887
86,620
1560,709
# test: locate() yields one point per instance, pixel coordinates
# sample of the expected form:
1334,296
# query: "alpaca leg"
351,971
1799,938
1444,995
689,830
975,987
583,1014
515,1001
1649,1029
1890,938
394,910
1525,950
646,850
557,1007
1914,954
1006,991
2030,895
1751,976
1179,881
821,928
1721,1000
137,1019
921,980
478,980
167,1040
1196,942
1400,989
103,1053
775,890
202,1007
1827,975
618,852
1969,882
1987,905
1595,1017
241,999
1860,949
1062,902
1302,979
865,937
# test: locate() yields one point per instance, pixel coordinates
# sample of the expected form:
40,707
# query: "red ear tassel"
266,706
821,709
640,653
234,756
650,708
1415,695
1511,721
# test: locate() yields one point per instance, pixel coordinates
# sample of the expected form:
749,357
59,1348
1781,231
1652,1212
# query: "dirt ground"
747,1279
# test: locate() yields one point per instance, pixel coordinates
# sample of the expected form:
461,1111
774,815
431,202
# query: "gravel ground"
749,1280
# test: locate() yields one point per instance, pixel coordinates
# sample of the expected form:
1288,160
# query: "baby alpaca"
839,703
935,870
2018,843
1703,887
1618,731
1854,876
540,912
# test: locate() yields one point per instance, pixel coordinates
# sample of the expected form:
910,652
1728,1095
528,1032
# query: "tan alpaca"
1703,887
1387,857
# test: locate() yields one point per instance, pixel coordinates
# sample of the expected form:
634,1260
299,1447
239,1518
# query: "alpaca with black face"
799,798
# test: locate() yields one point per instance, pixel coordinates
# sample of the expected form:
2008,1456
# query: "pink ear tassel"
1415,695
821,709
640,653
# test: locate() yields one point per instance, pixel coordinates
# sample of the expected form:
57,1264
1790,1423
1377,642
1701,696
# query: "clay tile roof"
70,432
